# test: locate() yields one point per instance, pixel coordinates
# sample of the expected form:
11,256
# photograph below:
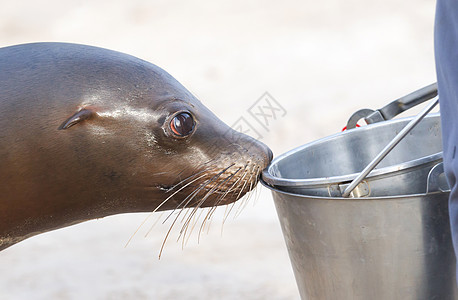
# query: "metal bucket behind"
395,245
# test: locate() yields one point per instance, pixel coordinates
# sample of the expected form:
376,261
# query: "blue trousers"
446,55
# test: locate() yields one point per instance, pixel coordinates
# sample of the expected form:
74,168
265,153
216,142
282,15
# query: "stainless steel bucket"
393,242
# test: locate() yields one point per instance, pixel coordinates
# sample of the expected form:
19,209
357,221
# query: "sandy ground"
321,60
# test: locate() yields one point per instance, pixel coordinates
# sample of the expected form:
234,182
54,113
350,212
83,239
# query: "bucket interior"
351,151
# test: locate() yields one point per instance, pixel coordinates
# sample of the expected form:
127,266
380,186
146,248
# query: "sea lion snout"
246,158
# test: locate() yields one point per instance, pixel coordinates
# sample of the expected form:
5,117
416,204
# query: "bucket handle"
394,108
437,182
389,147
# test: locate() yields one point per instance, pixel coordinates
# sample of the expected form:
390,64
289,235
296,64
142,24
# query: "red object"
345,128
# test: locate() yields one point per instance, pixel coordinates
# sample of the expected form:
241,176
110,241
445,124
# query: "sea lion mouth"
210,187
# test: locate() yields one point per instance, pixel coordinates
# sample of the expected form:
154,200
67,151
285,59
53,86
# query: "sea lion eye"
182,124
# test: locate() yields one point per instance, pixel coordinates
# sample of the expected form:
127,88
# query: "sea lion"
87,132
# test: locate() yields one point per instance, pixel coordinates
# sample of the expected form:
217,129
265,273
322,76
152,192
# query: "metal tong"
387,112
394,108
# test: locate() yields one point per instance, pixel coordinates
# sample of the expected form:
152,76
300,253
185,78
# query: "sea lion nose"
264,154
270,153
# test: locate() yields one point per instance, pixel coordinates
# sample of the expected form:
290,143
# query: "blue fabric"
446,53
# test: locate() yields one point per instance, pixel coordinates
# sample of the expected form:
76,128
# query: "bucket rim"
272,180
273,189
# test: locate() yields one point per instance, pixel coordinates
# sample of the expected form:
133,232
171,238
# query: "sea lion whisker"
210,218
155,210
184,217
220,199
194,224
247,198
177,191
194,193
159,173
228,214
233,188
169,230
191,211
204,222
214,178
154,224
176,218
191,196
217,202
226,209
138,228
166,237
211,191
185,226
208,195
186,220
255,195
161,204
256,189
188,198
185,179
238,195
251,191
242,204
202,226
235,203
191,216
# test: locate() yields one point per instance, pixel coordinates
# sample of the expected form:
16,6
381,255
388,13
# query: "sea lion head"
162,148
89,132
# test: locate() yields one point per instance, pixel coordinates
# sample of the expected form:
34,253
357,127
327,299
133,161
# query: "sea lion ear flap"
76,118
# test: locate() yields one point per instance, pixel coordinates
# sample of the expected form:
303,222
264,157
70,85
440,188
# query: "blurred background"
320,60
